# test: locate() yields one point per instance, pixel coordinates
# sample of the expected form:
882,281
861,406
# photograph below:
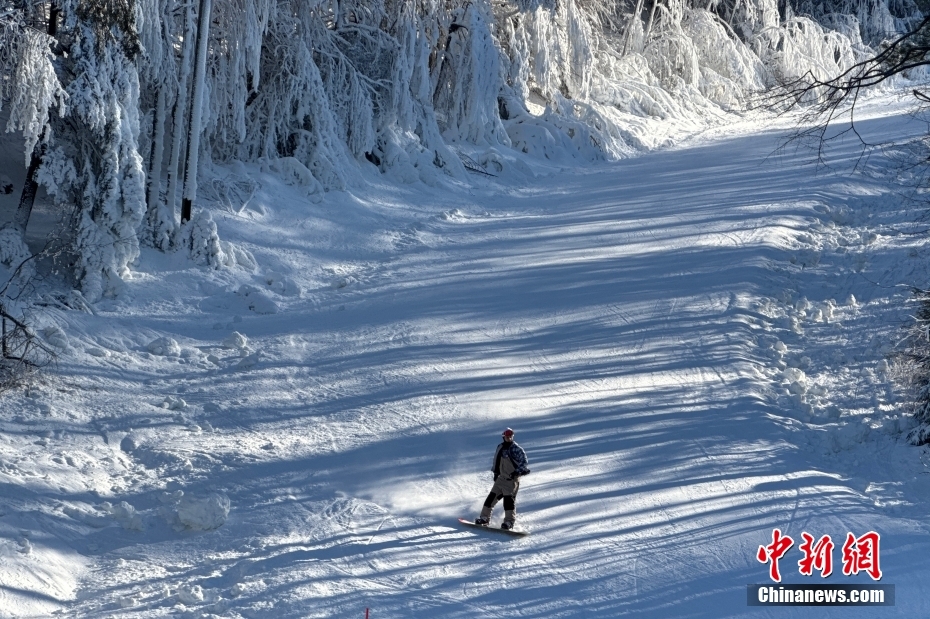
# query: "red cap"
508,433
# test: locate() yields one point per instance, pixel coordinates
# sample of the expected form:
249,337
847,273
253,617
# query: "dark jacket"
509,459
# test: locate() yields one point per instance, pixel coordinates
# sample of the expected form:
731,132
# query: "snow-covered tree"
159,91
93,166
316,88
29,83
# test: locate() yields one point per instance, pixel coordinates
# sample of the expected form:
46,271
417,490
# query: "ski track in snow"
672,338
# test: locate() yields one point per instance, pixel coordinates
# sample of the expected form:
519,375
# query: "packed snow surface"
690,345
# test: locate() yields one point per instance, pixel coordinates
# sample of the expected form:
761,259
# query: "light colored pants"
503,489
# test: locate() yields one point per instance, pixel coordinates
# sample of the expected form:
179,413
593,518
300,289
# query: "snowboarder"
508,466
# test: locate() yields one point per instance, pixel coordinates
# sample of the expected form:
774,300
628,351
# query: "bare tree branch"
909,51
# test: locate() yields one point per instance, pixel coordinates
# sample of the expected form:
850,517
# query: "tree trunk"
179,115
28,198
194,128
652,15
158,147
53,12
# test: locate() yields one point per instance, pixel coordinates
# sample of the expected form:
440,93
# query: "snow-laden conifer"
96,170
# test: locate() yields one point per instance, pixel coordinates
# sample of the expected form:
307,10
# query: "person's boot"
510,517
485,516
482,521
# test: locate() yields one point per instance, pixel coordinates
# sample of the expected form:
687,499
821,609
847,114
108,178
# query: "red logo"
773,552
819,555
860,554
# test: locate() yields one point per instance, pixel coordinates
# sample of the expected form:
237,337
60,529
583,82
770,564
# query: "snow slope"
689,345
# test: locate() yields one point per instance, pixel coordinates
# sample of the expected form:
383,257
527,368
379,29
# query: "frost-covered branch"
28,83
902,54
316,90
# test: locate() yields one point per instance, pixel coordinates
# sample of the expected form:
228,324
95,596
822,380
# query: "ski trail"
669,336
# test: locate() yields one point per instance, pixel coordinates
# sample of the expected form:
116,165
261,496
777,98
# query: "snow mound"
295,173
257,300
236,340
87,515
125,514
849,436
534,138
190,595
164,347
203,514
281,284
173,403
95,351
56,337
249,361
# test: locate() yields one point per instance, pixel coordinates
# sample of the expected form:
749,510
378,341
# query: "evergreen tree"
93,167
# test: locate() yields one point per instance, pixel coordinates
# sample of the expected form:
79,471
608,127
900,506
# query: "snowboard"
513,532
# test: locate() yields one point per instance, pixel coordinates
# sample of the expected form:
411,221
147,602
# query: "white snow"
236,340
164,346
203,514
690,345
